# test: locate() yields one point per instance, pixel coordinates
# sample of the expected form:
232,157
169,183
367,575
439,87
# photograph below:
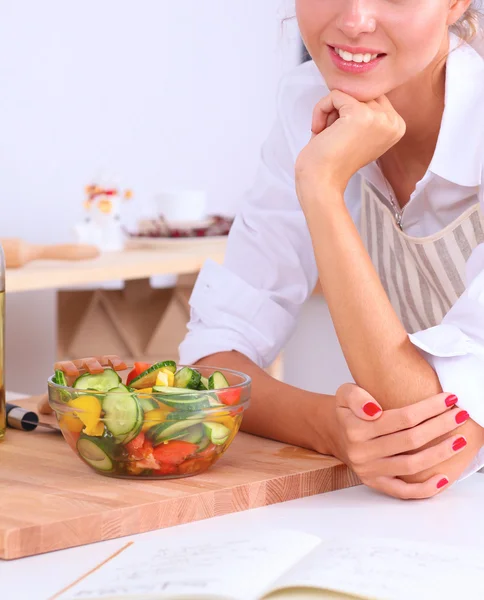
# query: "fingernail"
443,482
451,400
461,417
372,409
459,443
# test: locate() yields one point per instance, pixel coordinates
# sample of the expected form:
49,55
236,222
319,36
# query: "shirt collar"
459,154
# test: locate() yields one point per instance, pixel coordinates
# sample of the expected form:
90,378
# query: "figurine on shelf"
102,225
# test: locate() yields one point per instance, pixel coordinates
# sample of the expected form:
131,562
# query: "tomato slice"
165,469
139,367
209,450
174,453
132,375
229,396
136,444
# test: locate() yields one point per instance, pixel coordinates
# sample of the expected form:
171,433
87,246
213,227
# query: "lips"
359,61
356,55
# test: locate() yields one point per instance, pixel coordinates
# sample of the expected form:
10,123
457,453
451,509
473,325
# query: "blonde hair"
470,24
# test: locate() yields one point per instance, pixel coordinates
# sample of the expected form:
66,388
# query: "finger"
408,417
385,104
417,437
360,403
332,103
332,118
391,486
374,105
410,464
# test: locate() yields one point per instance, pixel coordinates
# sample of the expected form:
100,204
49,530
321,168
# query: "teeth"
357,58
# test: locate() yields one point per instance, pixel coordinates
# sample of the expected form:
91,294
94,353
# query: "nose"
357,17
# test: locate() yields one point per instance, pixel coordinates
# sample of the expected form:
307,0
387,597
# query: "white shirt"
251,303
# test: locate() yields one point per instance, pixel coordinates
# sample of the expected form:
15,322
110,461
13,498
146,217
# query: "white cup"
182,208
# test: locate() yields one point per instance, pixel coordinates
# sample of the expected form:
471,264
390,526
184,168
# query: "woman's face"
367,48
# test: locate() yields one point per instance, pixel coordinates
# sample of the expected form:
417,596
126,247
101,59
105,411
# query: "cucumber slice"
217,381
204,443
203,385
164,389
100,382
214,400
123,415
185,402
163,432
181,415
194,434
147,403
96,452
187,378
148,378
217,433
60,378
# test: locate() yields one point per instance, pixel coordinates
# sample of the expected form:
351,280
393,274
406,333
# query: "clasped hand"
381,447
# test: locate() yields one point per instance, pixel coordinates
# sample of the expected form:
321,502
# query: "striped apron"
423,277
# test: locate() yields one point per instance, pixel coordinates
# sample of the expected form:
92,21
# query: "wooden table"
110,266
51,500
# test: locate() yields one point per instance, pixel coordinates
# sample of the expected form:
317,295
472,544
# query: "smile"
359,61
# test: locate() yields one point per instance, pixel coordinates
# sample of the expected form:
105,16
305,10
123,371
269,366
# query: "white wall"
160,93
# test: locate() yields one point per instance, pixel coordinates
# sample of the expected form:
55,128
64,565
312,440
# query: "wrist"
320,422
322,191
315,181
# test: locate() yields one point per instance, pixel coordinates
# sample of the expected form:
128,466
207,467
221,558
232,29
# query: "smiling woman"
372,182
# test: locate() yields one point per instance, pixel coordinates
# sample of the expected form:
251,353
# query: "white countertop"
452,517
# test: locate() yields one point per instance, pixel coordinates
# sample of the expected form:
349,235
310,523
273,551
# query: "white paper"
239,568
392,569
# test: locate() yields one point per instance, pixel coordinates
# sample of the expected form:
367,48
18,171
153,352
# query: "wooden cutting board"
50,500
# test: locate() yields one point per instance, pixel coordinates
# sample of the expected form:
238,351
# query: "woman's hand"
382,446
346,136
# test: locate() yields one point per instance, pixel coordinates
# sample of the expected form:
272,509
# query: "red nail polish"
442,483
451,400
461,417
371,409
459,443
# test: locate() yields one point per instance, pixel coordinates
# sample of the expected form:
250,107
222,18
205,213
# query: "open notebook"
270,565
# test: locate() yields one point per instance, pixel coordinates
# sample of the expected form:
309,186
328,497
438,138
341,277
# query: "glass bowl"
151,435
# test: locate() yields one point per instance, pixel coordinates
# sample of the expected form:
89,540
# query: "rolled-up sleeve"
455,348
251,302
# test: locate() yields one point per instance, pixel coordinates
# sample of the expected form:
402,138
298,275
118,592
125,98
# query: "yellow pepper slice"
165,378
70,422
170,375
152,417
145,391
226,420
89,413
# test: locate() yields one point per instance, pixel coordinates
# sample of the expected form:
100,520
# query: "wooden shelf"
113,266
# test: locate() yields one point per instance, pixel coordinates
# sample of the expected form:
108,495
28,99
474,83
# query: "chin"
363,91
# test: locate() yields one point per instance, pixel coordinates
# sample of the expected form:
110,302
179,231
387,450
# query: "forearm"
379,353
279,411
376,346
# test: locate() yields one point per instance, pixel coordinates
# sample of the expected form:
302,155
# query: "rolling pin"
18,252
